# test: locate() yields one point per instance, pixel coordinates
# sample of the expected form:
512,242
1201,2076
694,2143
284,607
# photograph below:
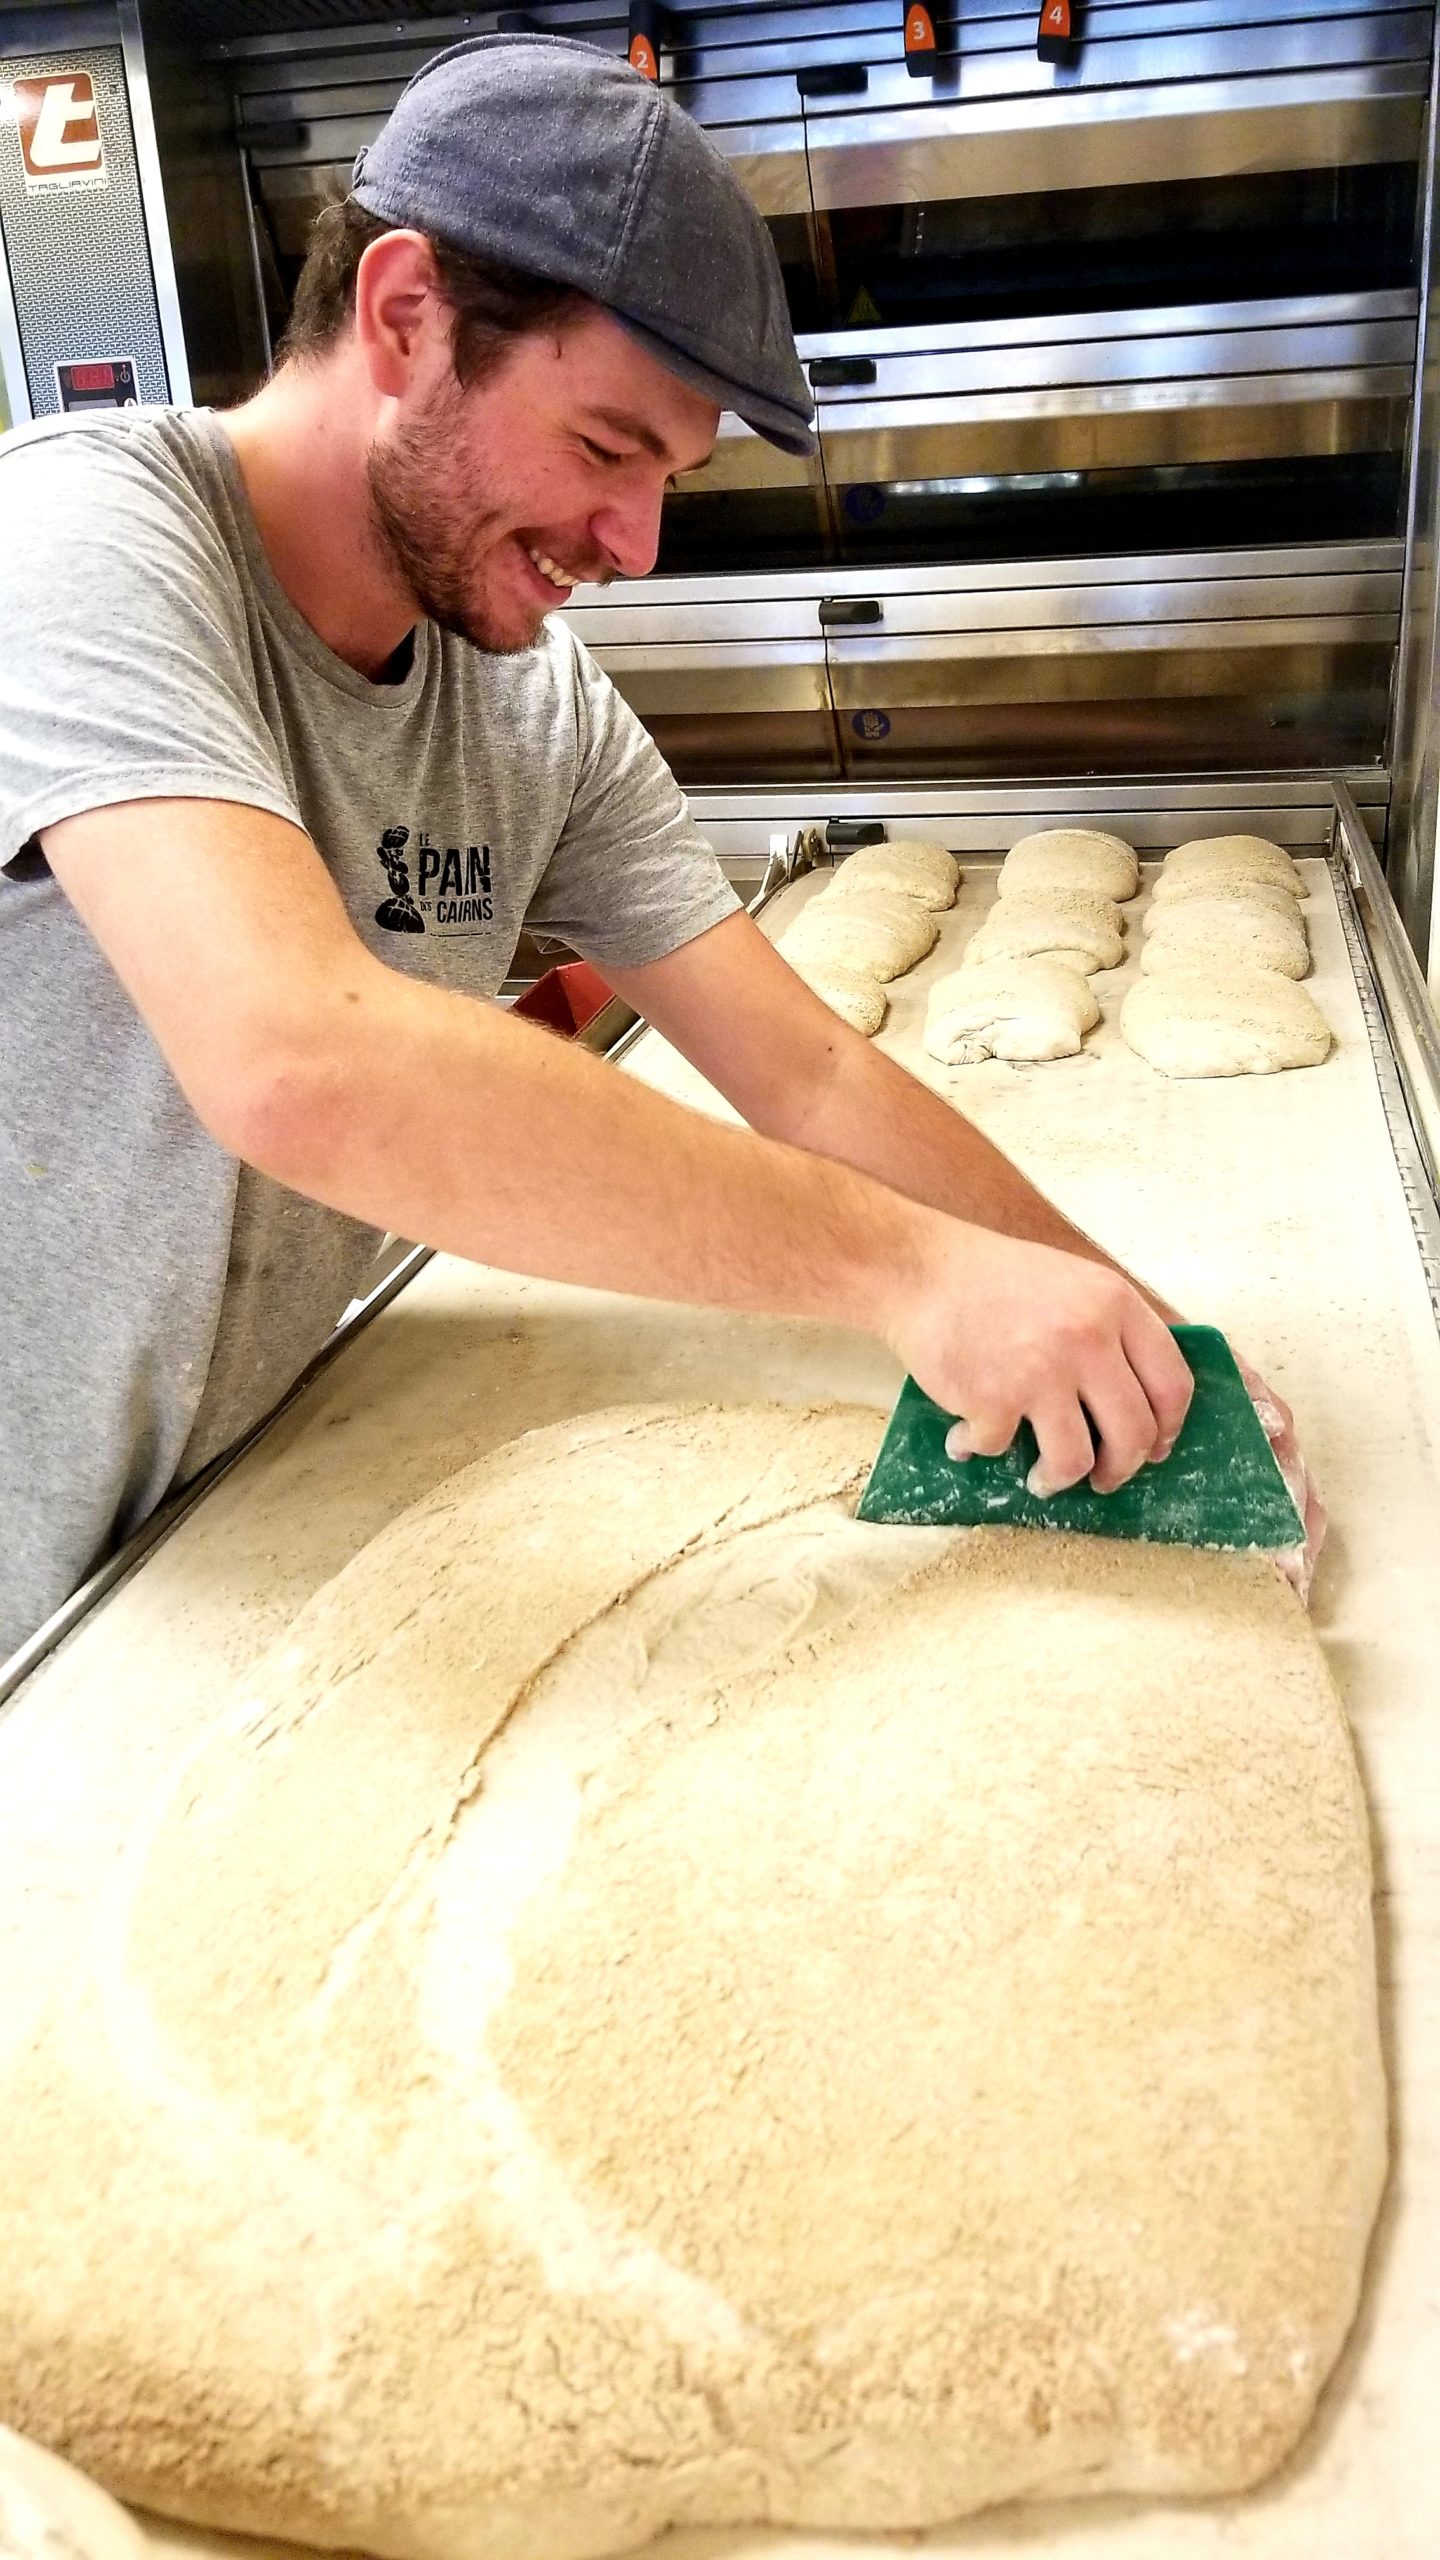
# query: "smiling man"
289,753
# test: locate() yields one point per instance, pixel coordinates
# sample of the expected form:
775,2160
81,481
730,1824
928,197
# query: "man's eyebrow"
622,422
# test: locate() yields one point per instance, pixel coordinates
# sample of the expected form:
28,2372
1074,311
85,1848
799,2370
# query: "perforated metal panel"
79,258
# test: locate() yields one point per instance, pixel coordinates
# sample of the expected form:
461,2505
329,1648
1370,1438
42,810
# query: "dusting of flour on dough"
661,2005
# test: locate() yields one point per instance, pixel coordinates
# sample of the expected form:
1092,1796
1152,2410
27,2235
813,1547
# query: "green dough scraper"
1219,1487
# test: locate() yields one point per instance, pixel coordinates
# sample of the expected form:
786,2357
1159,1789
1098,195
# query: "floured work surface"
1272,1207
744,2015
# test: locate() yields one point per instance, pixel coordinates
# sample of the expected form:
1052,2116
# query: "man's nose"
628,531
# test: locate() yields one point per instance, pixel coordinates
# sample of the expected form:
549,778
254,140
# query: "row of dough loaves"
1023,988
1225,948
874,920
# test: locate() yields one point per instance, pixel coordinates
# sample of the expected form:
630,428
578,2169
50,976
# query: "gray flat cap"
556,158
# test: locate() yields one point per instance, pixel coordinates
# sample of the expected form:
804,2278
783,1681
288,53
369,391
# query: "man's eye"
601,452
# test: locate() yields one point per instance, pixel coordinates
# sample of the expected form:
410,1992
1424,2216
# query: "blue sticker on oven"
871,724
865,502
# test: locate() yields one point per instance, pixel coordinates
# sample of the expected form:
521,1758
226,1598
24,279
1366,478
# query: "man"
289,750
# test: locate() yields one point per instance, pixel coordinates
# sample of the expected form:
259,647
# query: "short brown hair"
493,304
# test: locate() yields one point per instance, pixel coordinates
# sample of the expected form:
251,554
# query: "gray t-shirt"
159,1296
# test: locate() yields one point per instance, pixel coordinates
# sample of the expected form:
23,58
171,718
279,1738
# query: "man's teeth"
548,569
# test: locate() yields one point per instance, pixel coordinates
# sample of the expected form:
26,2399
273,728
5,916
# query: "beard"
435,543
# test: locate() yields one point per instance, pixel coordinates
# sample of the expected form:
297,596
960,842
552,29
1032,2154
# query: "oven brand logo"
451,893
58,120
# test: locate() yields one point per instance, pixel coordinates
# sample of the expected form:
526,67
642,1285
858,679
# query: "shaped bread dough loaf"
875,931
858,998
1220,889
1227,859
659,2004
1224,1021
1039,1008
1068,924
1208,936
1071,858
924,872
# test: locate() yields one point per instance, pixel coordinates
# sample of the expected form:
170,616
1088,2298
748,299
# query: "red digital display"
98,382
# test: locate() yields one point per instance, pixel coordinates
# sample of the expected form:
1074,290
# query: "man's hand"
1297,1563
999,1333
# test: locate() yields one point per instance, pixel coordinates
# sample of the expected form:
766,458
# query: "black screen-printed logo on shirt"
453,890
398,913
453,885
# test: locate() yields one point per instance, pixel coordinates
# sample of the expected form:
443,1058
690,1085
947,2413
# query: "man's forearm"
429,1113
440,1118
871,1114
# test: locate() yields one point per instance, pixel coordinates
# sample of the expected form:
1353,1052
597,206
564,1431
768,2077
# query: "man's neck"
301,454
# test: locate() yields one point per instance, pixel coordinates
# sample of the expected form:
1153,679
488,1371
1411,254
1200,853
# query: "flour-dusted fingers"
1125,1427
997,1331
987,1434
1163,1371
1066,1447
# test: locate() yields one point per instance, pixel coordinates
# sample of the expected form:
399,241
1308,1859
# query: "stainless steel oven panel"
1341,580
1063,666
712,683
1308,83
1263,417
741,68
1366,313
717,611
1051,614
1123,49
1322,560
1283,664
757,94
1213,382
1110,137
743,460
1106,363
1117,137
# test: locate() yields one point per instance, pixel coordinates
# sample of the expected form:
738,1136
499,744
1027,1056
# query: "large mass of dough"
1071,858
1205,934
1084,929
925,872
1224,1019
659,2003
1036,1008
1227,860
878,931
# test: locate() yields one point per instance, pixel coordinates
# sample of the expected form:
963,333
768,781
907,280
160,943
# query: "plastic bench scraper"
1219,1487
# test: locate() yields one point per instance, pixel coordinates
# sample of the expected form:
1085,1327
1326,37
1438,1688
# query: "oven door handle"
842,612
833,80
847,835
840,373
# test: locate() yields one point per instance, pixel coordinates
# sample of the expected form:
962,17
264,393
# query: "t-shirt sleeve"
125,671
632,877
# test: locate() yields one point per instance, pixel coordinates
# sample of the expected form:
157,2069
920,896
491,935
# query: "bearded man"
289,755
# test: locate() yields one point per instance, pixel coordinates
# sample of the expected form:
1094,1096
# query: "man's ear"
400,312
